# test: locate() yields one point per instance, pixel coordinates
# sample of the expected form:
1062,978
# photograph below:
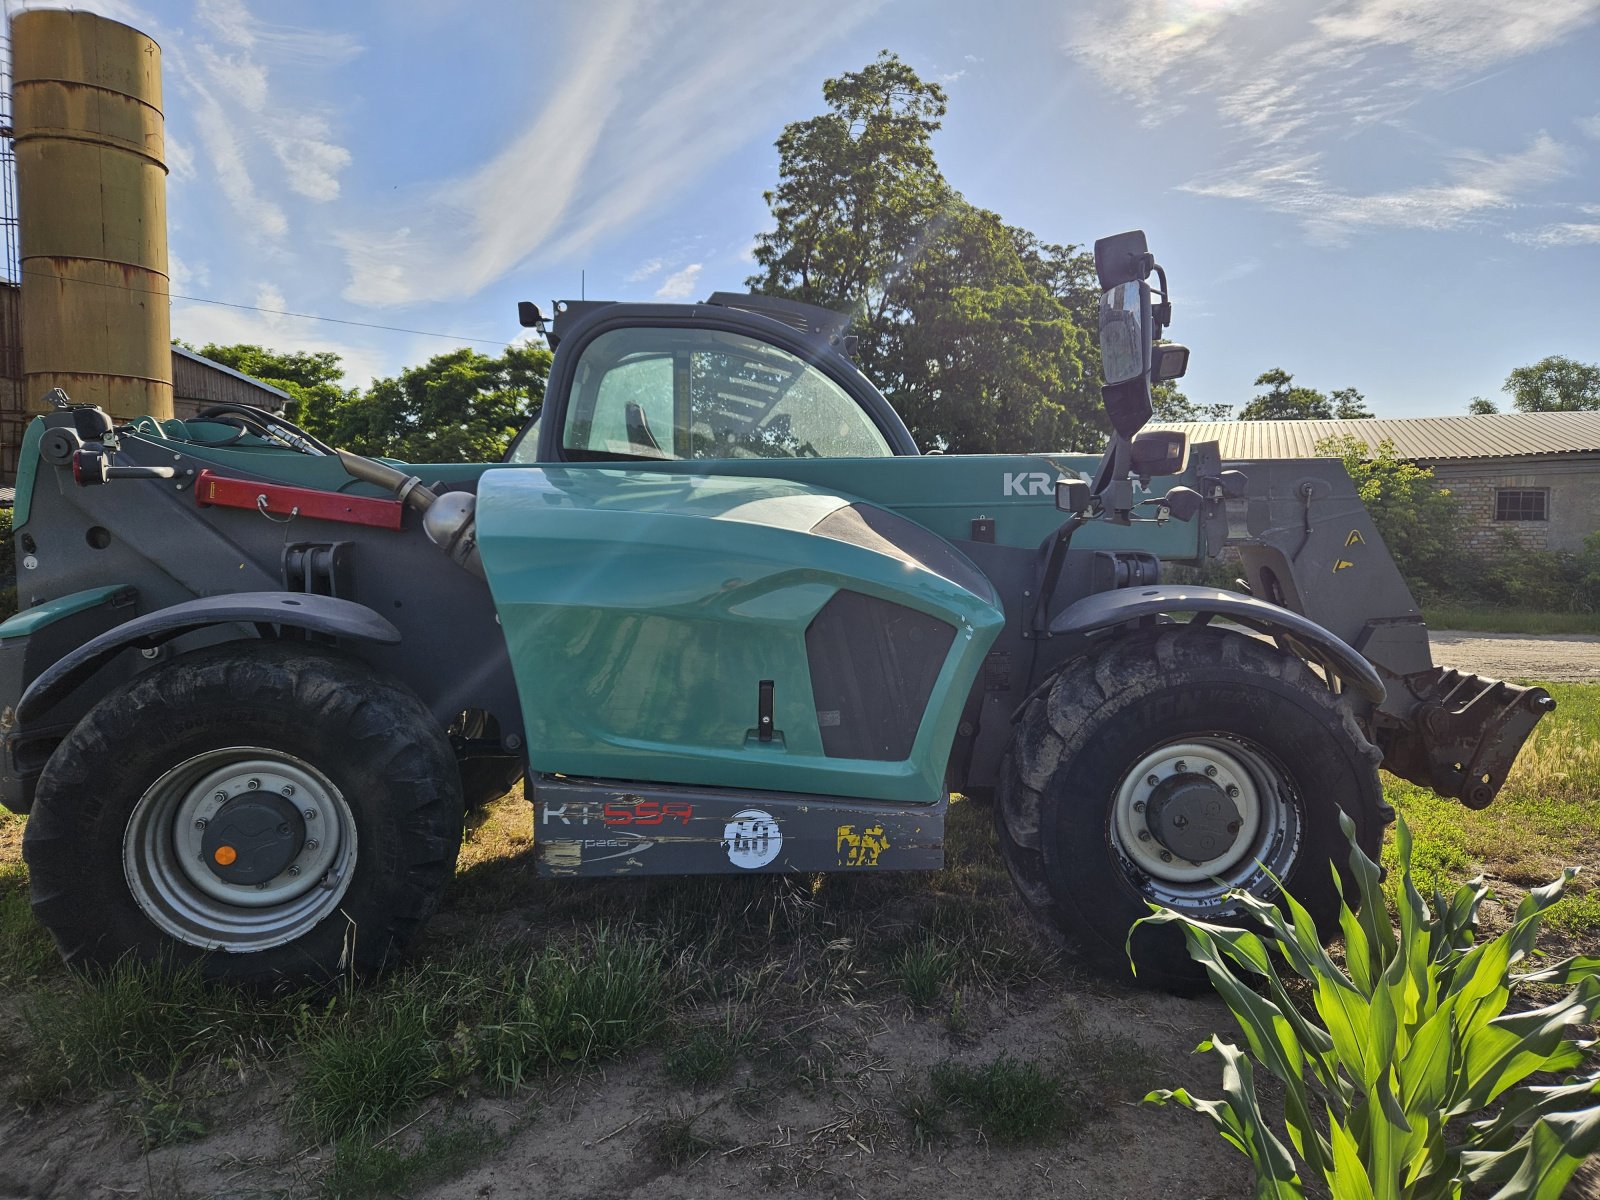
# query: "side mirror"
1072,496
1160,452
528,315
1183,503
1235,484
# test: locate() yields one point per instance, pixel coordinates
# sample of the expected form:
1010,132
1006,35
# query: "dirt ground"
589,1137
1550,657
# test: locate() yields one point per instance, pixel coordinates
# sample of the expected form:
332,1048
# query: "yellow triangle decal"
1342,564
1355,539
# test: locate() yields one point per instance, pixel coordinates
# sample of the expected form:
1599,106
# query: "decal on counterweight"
752,838
861,849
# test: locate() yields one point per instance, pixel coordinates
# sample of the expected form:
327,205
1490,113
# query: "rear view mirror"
1183,503
1160,452
1125,332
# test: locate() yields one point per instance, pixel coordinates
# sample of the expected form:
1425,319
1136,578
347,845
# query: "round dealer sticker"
752,839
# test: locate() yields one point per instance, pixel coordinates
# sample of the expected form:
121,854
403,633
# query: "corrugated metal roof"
1423,439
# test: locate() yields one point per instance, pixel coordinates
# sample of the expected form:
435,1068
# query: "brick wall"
1573,506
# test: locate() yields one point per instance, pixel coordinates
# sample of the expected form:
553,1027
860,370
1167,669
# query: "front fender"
315,614
1102,610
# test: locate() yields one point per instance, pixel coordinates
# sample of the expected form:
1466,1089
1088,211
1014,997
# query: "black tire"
1071,803
353,765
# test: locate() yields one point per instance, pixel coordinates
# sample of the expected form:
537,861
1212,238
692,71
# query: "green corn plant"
1388,1087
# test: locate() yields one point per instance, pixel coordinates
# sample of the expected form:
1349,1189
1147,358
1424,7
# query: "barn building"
1536,475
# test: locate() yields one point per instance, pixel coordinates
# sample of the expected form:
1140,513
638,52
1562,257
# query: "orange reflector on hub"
226,855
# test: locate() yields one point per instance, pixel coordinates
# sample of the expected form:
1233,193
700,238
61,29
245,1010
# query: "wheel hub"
253,838
1193,817
241,848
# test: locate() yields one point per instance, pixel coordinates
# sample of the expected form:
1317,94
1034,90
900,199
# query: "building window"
1521,504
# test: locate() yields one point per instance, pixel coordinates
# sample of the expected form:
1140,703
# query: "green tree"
1481,406
314,379
462,406
1170,404
1283,401
1555,384
1349,405
1416,518
978,332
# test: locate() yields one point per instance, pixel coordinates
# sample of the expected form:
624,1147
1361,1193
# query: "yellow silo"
92,209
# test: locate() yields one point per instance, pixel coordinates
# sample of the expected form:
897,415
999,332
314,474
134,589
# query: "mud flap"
585,827
1463,734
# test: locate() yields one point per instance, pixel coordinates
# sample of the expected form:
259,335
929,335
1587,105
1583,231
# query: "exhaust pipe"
450,520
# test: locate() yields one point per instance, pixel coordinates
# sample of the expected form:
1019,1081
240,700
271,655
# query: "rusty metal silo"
92,203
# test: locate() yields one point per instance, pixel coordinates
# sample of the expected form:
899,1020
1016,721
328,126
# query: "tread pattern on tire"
1055,723
384,728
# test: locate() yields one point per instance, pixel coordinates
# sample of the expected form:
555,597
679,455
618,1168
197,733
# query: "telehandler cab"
726,619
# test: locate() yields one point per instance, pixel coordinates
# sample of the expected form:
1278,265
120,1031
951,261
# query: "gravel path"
1552,657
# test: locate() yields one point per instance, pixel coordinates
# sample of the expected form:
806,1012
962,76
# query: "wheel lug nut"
310,814
200,823
1233,791
312,844
294,870
1144,835
1153,780
1181,767
1166,856
253,784
1138,806
220,797
288,789
1212,772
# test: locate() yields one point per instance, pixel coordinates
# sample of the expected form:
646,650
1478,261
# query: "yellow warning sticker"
861,849
1342,564
1355,539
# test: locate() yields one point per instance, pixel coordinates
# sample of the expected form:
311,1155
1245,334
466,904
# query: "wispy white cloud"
645,270
680,284
1475,186
1550,237
1288,82
1590,126
258,138
652,95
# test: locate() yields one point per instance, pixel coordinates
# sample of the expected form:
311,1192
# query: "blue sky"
1402,196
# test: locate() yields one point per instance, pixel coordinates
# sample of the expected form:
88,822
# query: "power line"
277,312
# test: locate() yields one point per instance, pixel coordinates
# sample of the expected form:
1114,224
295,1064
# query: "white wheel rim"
1263,832
166,869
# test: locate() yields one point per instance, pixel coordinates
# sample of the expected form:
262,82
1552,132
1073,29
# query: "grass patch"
574,1004
363,1067
1544,819
362,1168
131,1022
26,950
708,1054
1008,1100
1481,618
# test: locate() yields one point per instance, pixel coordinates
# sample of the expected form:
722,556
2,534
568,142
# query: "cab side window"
694,393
